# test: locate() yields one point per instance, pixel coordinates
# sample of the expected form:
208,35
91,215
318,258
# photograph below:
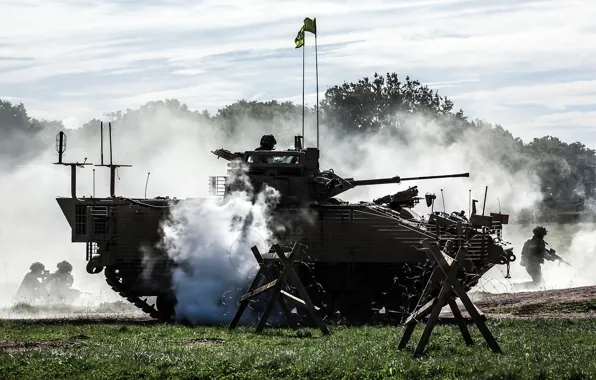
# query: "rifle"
553,254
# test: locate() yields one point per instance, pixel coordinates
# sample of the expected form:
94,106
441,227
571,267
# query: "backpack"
526,252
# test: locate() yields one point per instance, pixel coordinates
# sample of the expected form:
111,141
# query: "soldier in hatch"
533,254
31,287
267,143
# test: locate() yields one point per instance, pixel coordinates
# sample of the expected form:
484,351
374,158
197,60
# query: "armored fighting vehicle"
362,256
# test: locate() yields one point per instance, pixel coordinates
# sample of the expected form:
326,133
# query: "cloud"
584,119
79,59
578,124
555,96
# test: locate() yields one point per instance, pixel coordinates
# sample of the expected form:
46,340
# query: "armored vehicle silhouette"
363,256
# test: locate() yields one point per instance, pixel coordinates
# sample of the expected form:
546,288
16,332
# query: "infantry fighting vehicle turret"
363,255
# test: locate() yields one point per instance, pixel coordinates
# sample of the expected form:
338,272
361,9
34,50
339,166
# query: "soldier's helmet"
37,267
539,231
268,142
64,267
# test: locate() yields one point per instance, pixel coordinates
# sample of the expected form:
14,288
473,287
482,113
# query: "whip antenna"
146,183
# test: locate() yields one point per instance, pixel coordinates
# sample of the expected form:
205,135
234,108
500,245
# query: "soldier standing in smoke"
31,287
533,254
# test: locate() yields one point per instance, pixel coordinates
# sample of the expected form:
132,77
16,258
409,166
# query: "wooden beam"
275,285
446,269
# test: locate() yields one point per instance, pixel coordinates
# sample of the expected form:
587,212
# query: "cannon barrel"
398,179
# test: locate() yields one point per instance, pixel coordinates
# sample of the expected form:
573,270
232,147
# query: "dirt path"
577,302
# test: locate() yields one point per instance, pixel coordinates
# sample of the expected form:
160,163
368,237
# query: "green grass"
533,349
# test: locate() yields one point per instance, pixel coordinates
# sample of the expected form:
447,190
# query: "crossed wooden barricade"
276,285
444,273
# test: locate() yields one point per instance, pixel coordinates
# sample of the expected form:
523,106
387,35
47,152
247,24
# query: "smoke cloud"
173,147
426,150
212,239
574,242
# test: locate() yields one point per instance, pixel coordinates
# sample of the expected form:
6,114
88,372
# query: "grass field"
110,348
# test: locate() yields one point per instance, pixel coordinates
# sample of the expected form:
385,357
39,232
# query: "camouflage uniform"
59,282
31,288
533,254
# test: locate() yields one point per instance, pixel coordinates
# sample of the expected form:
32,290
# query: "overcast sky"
529,65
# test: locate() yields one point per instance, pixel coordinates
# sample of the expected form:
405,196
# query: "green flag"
310,25
299,40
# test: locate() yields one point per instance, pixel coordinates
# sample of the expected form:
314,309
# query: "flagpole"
303,107
317,75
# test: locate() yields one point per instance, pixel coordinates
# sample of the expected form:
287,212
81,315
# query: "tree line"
377,105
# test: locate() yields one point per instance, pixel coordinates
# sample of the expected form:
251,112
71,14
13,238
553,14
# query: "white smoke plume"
426,151
210,240
32,227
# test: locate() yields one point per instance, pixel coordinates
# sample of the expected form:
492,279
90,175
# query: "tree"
282,119
20,141
565,169
374,106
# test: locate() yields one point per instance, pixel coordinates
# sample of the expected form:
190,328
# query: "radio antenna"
146,183
110,131
101,137
484,205
61,148
111,165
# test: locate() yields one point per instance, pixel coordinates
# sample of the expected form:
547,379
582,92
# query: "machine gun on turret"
404,198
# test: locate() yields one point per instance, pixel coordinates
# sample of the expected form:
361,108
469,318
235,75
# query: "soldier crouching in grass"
31,287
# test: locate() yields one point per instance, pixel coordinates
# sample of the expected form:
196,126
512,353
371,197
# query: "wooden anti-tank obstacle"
277,294
444,274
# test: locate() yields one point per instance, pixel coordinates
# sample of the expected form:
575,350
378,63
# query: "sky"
527,65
